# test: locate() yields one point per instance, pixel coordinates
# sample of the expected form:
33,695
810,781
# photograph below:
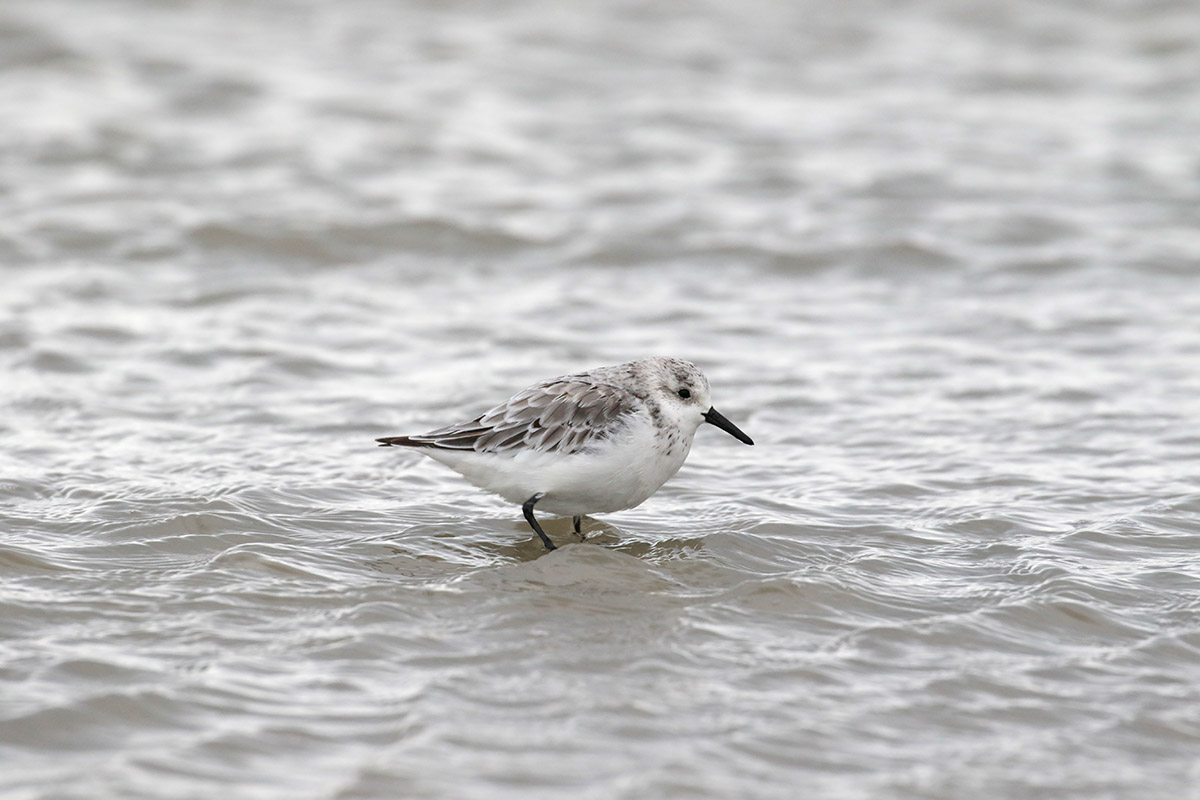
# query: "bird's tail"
399,441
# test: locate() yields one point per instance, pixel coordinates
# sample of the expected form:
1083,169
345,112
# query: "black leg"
578,523
533,523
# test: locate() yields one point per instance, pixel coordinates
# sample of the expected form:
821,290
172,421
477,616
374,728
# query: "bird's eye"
685,393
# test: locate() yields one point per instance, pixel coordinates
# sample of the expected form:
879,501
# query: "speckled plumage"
562,415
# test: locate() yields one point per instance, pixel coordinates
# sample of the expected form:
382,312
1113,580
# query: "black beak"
713,416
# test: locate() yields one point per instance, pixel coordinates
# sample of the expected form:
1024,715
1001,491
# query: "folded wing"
562,415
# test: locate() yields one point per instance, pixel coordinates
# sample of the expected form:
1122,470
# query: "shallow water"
939,261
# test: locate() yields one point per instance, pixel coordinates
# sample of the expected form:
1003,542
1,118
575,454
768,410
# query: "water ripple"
939,263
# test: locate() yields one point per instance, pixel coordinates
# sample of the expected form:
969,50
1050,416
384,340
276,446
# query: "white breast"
619,473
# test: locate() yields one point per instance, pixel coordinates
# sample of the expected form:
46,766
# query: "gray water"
941,260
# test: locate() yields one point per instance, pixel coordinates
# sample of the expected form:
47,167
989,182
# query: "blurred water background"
940,259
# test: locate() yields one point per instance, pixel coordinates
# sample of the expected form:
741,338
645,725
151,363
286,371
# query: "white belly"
620,474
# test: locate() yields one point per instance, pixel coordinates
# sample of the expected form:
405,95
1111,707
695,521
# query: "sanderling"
590,443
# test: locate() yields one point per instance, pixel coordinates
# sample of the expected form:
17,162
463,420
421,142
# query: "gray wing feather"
563,416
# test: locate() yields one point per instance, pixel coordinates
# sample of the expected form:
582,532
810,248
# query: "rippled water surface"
941,260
